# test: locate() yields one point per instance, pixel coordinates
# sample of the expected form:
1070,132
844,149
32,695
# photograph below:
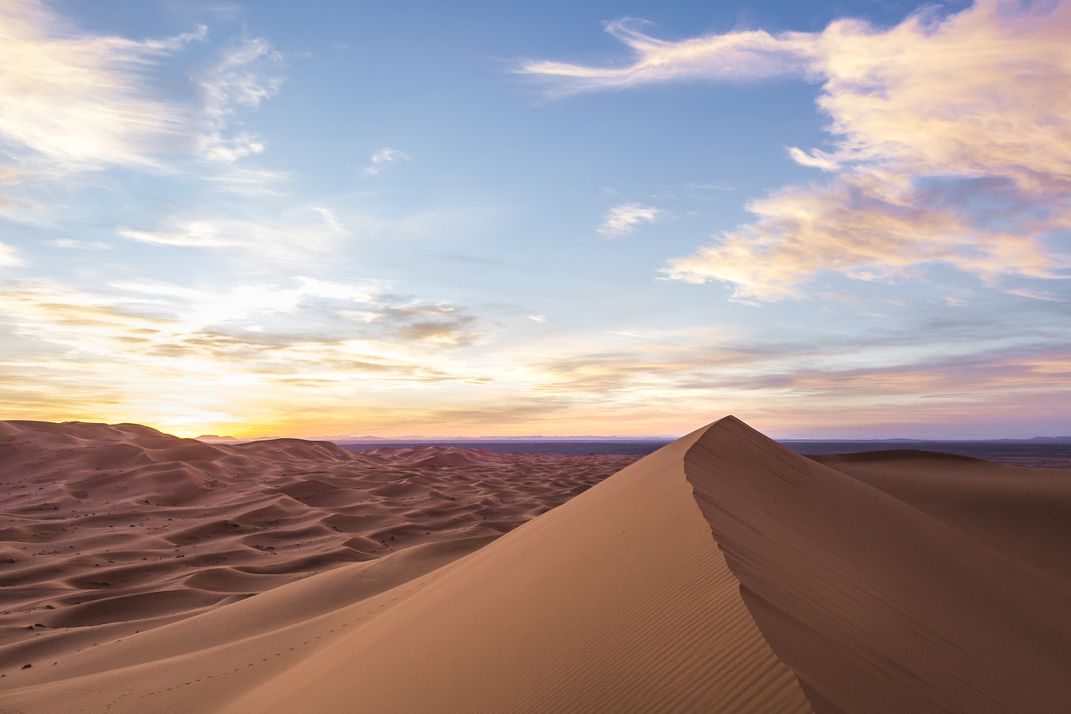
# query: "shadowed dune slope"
722,573
888,605
1025,513
616,601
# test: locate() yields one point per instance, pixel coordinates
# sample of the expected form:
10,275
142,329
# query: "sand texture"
106,530
887,582
722,573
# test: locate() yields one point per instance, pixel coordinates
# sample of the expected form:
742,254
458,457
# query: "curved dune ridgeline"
897,588
722,573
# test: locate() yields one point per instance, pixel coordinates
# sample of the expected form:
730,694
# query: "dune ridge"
902,593
615,601
722,573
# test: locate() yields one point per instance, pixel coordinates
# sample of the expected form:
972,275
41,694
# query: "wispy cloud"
736,56
357,353
1035,294
245,76
250,182
298,310
626,218
384,157
854,227
164,352
9,257
75,101
75,244
883,376
287,233
816,159
929,120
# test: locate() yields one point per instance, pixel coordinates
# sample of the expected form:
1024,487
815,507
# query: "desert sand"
106,530
722,573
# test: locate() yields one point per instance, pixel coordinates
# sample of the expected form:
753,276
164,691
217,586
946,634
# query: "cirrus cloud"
77,101
732,56
291,234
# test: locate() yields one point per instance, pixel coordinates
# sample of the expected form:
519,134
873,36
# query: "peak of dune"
721,573
878,601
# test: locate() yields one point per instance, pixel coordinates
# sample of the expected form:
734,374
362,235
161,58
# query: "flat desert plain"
140,572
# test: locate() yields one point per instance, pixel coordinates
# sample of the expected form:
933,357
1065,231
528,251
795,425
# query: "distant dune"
106,530
721,573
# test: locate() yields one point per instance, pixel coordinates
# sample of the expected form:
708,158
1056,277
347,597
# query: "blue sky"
555,218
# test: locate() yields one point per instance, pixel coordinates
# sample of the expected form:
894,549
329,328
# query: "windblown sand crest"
722,573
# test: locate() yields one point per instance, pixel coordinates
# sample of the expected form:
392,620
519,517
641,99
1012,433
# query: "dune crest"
887,604
722,573
615,601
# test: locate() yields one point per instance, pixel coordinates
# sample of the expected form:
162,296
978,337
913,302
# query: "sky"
402,219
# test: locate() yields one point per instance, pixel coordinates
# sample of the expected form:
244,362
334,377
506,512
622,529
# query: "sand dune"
722,573
121,528
890,604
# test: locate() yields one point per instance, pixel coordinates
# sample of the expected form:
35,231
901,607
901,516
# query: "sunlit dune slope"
108,530
615,601
721,574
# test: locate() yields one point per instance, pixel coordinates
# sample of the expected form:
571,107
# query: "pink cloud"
936,98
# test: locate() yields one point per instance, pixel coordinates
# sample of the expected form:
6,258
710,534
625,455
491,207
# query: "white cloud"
816,159
384,157
133,346
854,228
9,257
75,244
191,234
625,218
930,119
288,234
197,309
197,322
242,79
249,181
538,318
73,102
80,101
735,56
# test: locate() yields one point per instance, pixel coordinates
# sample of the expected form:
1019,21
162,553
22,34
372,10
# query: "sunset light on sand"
535,356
